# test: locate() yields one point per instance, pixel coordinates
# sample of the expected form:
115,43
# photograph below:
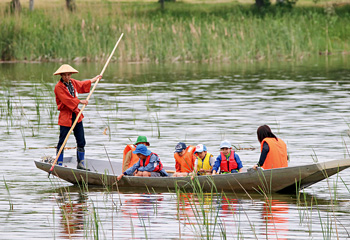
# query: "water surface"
306,104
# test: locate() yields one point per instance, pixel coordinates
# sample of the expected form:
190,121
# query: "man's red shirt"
66,103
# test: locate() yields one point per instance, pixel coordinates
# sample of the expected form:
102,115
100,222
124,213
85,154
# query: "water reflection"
219,215
191,215
228,206
141,205
275,215
308,105
73,208
186,207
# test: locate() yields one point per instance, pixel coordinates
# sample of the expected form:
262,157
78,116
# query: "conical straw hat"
65,68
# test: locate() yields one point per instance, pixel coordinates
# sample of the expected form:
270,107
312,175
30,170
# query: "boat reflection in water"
194,214
268,217
275,215
73,209
141,205
228,206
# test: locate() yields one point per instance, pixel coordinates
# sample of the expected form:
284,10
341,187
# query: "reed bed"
201,212
181,32
26,112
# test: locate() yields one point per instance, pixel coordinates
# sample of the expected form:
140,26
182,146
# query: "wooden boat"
285,180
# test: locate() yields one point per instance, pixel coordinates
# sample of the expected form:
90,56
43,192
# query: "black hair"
264,131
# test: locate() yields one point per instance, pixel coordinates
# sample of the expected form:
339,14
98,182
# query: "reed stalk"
37,101
225,32
156,119
23,137
9,195
204,209
142,222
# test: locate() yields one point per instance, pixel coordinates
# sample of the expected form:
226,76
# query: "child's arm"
239,163
217,165
132,169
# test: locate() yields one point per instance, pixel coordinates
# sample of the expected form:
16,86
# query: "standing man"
66,91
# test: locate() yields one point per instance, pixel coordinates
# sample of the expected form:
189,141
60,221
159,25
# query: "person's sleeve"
132,169
217,164
263,154
82,86
238,161
66,99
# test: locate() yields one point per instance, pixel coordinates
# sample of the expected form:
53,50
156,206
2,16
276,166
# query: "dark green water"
305,103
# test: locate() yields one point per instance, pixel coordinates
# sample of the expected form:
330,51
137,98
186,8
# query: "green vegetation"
9,195
206,214
181,32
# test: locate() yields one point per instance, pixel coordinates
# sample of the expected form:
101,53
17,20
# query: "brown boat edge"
281,180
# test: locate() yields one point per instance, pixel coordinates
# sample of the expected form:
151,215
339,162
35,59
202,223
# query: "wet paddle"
82,109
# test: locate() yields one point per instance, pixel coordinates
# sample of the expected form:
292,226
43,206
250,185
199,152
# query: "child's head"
142,151
225,147
201,151
180,148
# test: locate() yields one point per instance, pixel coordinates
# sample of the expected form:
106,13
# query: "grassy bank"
182,32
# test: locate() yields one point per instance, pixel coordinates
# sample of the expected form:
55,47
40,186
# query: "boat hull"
287,180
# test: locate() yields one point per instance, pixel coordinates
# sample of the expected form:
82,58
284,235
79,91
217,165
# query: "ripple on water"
306,106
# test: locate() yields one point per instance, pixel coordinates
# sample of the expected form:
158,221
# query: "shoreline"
96,60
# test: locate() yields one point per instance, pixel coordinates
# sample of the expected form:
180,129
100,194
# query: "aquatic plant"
226,32
23,137
9,195
329,224
314,156
203,206
37,101
156,119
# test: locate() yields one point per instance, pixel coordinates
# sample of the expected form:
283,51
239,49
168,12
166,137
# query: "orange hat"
65,68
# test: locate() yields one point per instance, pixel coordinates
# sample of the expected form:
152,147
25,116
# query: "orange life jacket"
158,168
185,163
277,155
228,165
134,157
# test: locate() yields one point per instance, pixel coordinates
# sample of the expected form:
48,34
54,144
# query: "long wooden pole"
82,109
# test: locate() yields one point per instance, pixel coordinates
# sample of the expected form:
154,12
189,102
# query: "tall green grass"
200,211
182,32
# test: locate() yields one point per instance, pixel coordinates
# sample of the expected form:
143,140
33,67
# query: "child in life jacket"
228,161
129,159
149,164
204,161
184,159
